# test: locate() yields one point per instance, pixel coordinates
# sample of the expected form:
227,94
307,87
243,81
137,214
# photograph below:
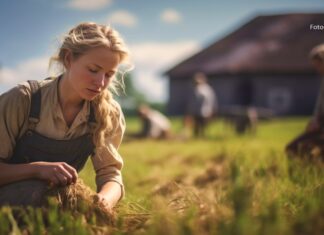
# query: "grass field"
224,184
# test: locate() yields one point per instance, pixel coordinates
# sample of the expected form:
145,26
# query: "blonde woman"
48,129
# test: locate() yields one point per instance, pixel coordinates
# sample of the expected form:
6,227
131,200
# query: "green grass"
224,184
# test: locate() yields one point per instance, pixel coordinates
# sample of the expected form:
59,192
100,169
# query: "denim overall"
32,147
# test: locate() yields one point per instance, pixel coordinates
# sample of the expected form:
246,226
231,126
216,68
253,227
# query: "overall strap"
92,118
35,105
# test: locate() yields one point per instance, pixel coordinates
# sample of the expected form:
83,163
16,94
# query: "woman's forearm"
14,172
57,173
111,192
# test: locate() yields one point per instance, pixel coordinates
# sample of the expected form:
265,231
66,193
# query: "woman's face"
92,72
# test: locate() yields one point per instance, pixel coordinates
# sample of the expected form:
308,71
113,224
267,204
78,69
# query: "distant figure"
317,121
154,124
202,104
312,140
246,121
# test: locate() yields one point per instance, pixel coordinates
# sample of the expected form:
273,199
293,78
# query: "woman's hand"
109,194
56,173
103,200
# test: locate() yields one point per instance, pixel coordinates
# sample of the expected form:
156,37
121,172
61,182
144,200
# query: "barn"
264,63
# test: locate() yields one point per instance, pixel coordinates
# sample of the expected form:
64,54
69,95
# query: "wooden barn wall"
286,95
301,93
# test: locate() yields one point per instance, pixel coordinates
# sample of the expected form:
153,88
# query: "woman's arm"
110,193
56,173
108,163
14,172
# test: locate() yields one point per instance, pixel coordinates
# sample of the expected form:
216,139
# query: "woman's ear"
67,59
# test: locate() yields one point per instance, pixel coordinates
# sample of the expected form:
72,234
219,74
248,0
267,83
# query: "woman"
48,129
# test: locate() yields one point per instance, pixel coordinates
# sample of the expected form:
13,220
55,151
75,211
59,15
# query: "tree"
129,98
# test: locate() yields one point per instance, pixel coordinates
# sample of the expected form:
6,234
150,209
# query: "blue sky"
159,33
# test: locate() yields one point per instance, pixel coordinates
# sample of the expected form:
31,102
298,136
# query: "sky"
159,34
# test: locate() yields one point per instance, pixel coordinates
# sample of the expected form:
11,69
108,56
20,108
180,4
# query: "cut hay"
77,198
80,199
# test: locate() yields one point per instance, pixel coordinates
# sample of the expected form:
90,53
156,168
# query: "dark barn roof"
272,44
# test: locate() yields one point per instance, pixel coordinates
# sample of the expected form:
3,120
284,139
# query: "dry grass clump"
77,199
132,217
184,208
80,199
39,209
213,173
196,198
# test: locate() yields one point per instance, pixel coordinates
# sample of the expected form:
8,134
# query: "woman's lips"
94,91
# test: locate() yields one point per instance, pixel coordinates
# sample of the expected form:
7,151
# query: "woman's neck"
67,97
70,102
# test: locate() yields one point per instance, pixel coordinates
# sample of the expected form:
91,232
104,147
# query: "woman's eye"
93,70
109,75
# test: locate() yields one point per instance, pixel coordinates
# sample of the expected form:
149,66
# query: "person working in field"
315,127
317,121
154,124
48,129
201,106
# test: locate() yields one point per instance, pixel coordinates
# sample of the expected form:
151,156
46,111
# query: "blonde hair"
78,41
317,53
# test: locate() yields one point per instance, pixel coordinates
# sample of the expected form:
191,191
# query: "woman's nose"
100,80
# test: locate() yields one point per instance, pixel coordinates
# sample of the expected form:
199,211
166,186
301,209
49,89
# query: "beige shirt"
14,110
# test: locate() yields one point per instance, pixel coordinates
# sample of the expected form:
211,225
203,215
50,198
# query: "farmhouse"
264,64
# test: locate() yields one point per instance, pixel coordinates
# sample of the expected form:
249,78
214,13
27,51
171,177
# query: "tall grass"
224,184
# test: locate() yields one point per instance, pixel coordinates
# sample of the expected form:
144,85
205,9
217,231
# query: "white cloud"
32,69
123,18
151,59
171,16
88,5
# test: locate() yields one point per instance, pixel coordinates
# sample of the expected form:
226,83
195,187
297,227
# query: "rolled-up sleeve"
107,162
14,108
